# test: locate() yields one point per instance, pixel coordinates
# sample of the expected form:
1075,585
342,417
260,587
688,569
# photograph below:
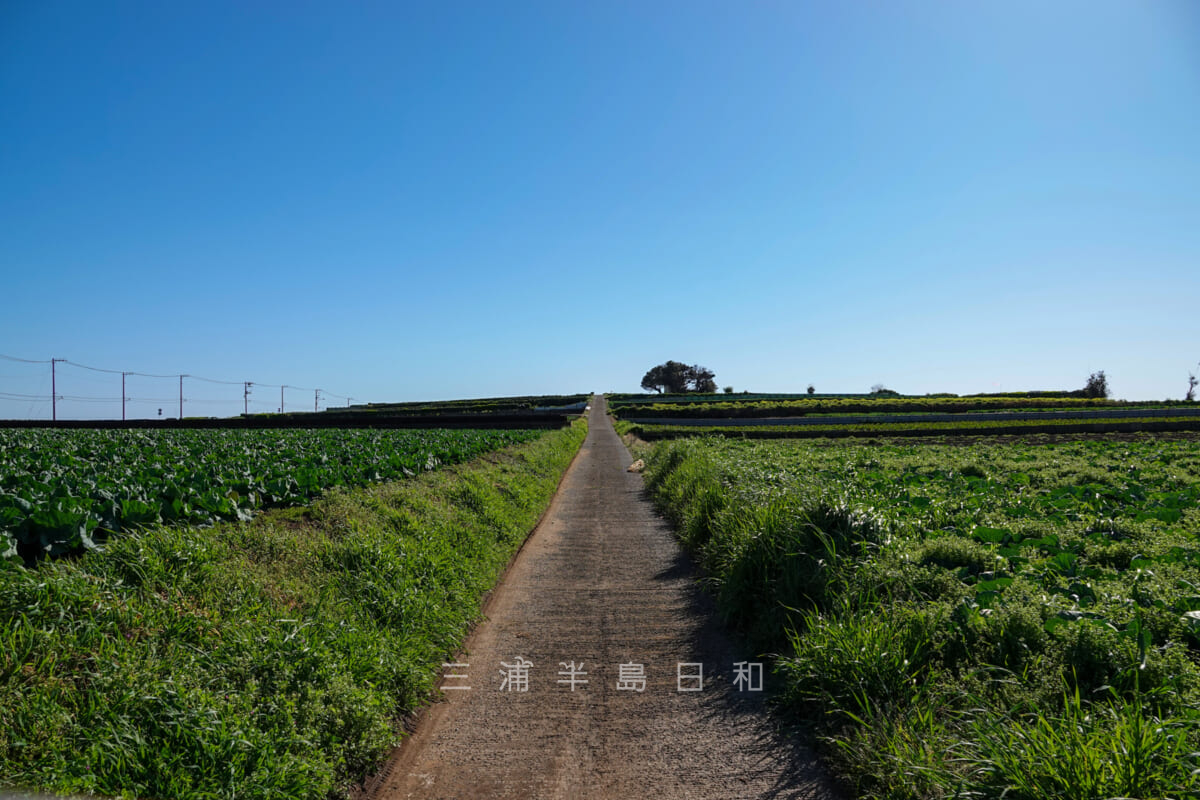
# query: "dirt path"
600,583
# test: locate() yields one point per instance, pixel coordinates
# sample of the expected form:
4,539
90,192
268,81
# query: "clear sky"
403,201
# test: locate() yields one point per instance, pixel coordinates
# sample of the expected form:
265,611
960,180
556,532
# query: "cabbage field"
984,620
62,489
269,658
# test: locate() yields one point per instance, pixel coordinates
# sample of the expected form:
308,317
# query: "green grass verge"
269,659
984,621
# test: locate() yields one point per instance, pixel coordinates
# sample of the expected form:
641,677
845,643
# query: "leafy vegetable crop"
494,405
1059,516
916,427
735,407
1031,608
60,488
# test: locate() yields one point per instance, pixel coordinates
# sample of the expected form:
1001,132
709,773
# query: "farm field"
983,620
890,415
491,405
725,406
911,427
61,489
272,657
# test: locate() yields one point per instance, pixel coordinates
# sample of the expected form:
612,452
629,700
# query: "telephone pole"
281,388
316,399
123,397
246,399
181,377
54,389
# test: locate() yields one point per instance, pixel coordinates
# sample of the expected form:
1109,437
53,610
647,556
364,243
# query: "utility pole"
281,388
54,389
348,399
246,399
123,398
316,399
181,377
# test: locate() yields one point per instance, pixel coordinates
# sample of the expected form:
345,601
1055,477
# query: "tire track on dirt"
600,583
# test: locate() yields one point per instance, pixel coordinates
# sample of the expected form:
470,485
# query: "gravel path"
600,583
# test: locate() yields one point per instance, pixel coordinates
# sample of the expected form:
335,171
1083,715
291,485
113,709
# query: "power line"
319,395
148,375
25,360
93,369
212,380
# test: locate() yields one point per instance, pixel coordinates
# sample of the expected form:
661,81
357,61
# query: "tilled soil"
600,583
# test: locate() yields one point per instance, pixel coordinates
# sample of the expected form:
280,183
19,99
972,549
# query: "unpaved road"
600,583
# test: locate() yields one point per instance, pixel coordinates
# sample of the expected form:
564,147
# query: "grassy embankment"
265,659
984,621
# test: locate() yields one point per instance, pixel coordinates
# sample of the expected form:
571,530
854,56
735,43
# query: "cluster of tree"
674,377
1096,386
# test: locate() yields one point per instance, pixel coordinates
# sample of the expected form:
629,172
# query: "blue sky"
413,201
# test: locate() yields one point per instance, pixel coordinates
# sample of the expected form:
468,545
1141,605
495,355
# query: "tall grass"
1087,750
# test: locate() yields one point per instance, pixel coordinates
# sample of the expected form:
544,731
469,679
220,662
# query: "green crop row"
266,659
478,406
60,489
718,409
617,400
915,428
992,620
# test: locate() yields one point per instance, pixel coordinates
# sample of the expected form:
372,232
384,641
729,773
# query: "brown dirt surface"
601,582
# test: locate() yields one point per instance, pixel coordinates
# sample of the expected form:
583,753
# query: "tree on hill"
670,377
675,377
702,379
1096,386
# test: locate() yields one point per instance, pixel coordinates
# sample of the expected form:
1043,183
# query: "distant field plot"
489,405
1033,609
916,426
59,489
846,416
734,406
